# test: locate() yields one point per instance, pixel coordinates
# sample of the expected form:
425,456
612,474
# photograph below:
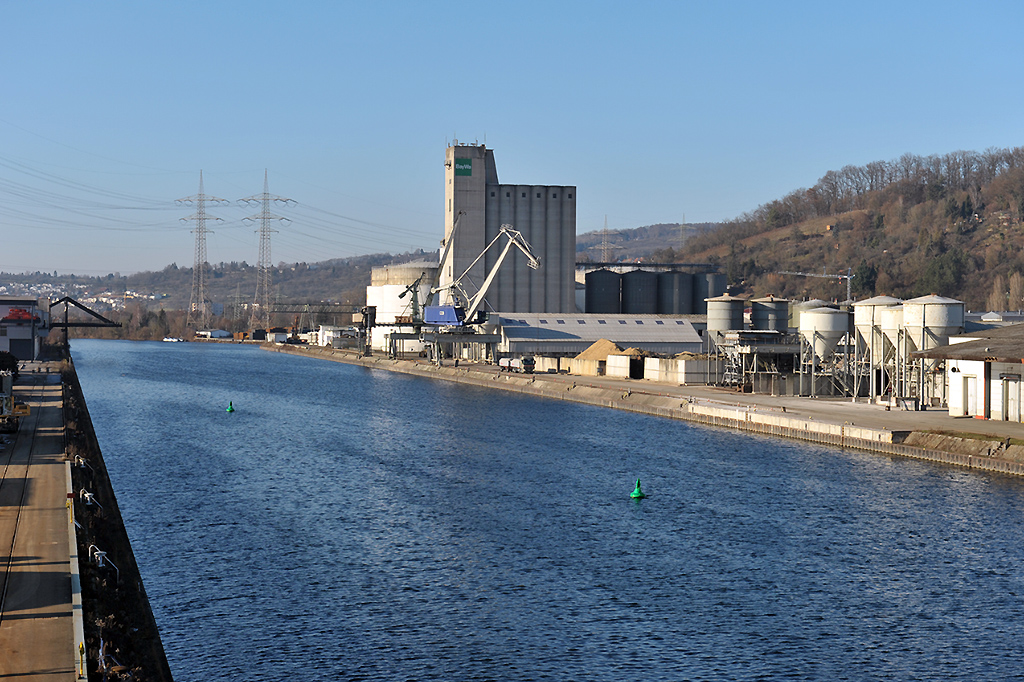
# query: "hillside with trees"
949,224
152,305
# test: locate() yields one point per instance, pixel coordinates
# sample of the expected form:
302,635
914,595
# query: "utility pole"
261,302
198,308
606,248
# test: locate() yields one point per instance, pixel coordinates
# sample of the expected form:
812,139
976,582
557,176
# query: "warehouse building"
983,373
568,335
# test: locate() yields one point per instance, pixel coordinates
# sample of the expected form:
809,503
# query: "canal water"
353,524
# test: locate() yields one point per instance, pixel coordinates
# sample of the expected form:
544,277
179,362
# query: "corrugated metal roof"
1002,344
620,329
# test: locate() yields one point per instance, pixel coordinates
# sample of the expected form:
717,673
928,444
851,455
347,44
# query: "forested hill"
340,280
946,224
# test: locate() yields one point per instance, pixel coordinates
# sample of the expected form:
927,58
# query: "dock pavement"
39,633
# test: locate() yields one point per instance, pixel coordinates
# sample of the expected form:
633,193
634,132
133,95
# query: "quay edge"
973,454
120,613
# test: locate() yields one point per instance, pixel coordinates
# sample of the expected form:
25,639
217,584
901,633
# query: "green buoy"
231,408
637,494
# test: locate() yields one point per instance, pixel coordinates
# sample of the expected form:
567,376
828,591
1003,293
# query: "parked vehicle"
523,365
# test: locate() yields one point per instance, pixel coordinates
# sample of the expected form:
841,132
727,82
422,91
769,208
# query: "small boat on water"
172,339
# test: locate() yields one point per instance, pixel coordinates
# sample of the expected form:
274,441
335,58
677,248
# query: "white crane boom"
454,314
515,238
444,257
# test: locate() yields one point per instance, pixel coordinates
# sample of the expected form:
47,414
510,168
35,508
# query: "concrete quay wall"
883,441
114,601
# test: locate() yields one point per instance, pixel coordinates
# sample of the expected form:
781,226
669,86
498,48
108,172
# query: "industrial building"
568,335
23,326
983,372
477,205
816,348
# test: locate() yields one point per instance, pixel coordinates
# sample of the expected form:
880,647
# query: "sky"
656,111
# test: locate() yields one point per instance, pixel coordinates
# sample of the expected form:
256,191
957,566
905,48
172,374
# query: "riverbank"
927,435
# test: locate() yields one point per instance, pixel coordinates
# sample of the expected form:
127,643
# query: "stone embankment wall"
986,455
115,606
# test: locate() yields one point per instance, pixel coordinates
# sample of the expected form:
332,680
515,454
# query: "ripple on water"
366,525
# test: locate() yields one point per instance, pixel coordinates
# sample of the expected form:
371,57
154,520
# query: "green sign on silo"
463,166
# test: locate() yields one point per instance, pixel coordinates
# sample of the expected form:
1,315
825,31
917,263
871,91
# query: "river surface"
353,524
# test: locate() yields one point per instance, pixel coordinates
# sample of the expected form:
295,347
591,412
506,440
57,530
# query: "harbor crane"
414,288
464,309
848,277
414,303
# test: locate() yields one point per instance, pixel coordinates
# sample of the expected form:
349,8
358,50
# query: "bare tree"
1016,287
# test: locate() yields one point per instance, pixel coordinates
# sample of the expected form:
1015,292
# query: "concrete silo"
872,346
796,309
725,313
929,321
822,329
770,314
604,292
640,292
675,293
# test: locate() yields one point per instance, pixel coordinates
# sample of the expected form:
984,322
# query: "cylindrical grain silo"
823,329
640,292
717,284
770,313
891,324
929,321
403,273
867,321
551,257
604,292
796,308
675,293
725,313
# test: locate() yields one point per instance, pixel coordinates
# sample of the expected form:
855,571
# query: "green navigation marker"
637,494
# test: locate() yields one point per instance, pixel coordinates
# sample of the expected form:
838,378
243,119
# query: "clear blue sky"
654,110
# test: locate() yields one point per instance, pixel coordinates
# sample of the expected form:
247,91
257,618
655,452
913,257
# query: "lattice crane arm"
515,238
848,277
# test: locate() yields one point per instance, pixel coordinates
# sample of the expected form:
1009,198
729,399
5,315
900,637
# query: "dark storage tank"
604,292
640,292
717,284
675,293
707,285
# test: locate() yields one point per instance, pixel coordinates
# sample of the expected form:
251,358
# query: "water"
361,525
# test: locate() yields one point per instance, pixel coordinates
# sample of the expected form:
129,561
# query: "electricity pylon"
198,306
261,302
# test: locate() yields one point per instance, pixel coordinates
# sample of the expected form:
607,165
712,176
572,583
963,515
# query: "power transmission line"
198,306
261,302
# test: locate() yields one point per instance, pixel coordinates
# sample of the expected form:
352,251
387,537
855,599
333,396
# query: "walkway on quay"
37,551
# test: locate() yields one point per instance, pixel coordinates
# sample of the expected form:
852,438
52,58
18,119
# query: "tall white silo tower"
872,347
